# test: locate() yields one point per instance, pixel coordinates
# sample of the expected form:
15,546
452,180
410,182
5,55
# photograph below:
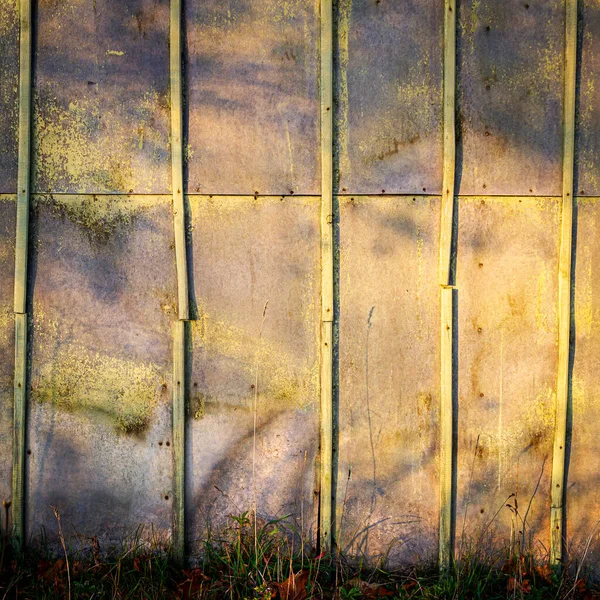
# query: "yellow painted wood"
326,419
179,393
564,287
446,420
177,159
24,167
19,433
449,140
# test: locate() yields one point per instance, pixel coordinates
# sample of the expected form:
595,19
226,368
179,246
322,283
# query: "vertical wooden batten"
175,36
447,293
564,287
327,304
179,223
446,425
179,440
20,291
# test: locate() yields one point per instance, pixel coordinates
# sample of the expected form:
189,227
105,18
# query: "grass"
268,563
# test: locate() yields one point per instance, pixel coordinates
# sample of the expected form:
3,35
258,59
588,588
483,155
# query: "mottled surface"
7,333
588,125
248,253
9,94
387,495
507,363
253,96
99,418
101,118
510,88
583,503
388,93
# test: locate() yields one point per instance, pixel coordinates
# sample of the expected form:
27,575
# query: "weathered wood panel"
507,361
388,100
253,96
510,86
247,362
387,478
103,304
101,108
9,96
7,333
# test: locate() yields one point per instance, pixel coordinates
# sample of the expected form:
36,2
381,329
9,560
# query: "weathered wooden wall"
102,282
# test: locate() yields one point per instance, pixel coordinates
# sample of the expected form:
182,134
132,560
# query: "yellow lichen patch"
99,214
8,17
75,378
73,150
281,380
343,34
7,321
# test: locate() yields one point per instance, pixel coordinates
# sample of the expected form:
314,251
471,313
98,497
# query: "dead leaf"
545,572
194,580
294,587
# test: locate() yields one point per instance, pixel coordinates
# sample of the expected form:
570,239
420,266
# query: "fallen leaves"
294,587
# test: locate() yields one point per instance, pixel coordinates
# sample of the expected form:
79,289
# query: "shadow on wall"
101,124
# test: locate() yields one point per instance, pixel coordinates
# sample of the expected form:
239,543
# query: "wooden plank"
179,393
20,291
449,140
175,36
24,168
564,288
446,426
326,102
447,293
19,420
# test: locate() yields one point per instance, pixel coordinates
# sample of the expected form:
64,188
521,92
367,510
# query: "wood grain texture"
564,287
